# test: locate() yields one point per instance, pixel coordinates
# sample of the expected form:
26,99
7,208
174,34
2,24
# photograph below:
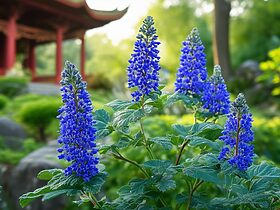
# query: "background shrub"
12,86
3,101
38,115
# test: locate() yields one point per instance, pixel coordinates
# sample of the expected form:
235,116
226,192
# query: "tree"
221,36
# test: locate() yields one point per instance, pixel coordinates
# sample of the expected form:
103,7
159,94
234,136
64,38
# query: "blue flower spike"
238,135
143,69
192,72
216,97
77,132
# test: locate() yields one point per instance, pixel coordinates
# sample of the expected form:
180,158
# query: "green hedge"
38,115
3,101
12,86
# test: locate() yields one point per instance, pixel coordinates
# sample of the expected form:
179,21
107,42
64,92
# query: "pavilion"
25,24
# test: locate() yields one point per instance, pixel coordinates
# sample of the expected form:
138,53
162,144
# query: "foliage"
9,156
107,61
271,71
38,115
255,41
179,167
267,137
3,101
12,86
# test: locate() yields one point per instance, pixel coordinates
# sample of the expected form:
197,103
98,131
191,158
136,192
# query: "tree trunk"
221,36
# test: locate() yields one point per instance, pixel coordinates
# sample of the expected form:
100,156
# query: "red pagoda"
25,24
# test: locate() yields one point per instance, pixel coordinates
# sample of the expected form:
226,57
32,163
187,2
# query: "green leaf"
182,130
158,166
166,183
263,170
102,126
204,173
198,141
118,105
165,142
188,101
95,184
159,102
26,198
125,117
138,185
122,143
54,194
201,128
48,174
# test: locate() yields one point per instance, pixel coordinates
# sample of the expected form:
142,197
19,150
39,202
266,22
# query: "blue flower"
77,132
238,135
143,69
192,72
215,96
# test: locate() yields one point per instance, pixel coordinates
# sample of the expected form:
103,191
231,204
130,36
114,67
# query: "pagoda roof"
38,19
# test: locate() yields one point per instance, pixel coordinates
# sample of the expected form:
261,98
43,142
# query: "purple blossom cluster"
77,132
238,135
215,97
192,72
143,69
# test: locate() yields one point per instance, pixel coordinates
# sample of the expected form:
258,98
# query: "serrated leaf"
179,97
199,128
118,104
165,142
102,119
48,174
204,173
198,141
54,194
95,184
122,143
158,166
263,170
182,130
159,102
125,117
26,198
166,183
138,185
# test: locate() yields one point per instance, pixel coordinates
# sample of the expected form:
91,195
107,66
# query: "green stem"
93,198
121,157
143,132
237,135
196,185
181,151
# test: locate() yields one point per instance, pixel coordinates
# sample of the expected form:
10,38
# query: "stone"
23,178
249,70
11,134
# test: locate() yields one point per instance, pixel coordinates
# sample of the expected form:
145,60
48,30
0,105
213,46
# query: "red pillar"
59,55
32,59
83,57
11,41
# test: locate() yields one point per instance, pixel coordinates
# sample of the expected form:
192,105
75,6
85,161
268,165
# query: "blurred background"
37,36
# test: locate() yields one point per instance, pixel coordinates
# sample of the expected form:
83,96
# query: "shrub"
12,86
3,101
38,115
9,156
271,72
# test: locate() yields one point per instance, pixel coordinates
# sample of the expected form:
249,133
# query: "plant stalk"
181,151
121,157
197,183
